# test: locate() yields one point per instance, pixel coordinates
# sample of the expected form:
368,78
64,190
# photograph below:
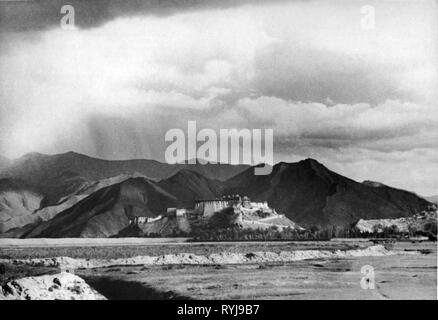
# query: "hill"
18,200
107,211
46,211
187,185
310,194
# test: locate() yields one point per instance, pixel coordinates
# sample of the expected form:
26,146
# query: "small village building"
176,212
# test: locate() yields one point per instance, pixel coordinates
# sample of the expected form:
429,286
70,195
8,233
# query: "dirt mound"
62,286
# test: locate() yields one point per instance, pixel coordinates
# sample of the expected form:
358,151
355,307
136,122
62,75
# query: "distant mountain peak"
374,184
312,163
310,160
31,155
309,193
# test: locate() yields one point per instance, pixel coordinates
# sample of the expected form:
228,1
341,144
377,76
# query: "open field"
84,242
396,277
127,247
408,272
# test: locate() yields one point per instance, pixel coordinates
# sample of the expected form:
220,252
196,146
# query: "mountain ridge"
107,211
311,194
39,168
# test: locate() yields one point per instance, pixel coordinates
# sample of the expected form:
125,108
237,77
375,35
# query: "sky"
359,98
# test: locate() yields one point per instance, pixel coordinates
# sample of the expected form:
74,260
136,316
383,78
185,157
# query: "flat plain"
396,277
411,273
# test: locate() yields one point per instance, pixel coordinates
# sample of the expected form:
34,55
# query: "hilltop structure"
204,208
207,207
243,212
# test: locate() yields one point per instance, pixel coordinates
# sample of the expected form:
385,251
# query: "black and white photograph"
218,150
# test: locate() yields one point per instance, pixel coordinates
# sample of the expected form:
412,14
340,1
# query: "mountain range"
74,195
38,168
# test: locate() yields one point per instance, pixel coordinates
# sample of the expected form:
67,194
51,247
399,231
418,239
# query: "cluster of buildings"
206,208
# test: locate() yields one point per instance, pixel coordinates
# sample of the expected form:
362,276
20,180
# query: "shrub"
431,227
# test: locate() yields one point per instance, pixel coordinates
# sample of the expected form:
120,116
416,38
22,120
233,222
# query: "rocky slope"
39,213
107,211
422,222
18,201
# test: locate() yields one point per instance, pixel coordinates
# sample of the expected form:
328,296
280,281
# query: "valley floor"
396,277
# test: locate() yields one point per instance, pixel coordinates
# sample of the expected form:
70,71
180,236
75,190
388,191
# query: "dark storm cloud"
36,15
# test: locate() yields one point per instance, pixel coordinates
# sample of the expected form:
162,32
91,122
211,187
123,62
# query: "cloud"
113,87
127,67
343,124
43,15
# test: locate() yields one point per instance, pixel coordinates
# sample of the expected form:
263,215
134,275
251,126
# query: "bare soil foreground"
247,270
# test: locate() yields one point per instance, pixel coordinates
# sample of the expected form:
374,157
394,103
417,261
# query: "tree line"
313,233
